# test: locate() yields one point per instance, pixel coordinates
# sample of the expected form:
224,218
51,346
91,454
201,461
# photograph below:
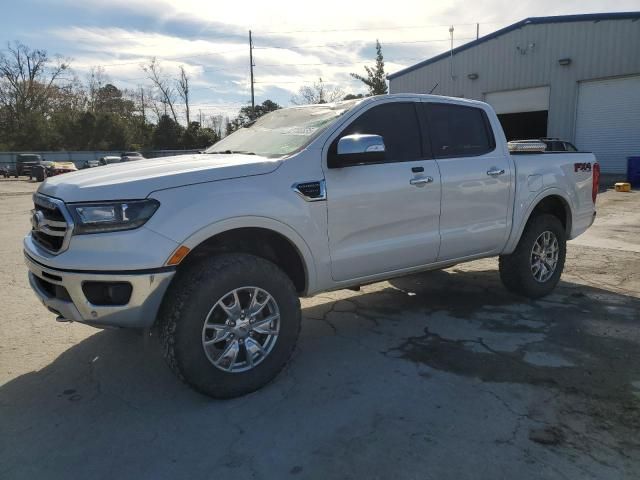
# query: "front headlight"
111,216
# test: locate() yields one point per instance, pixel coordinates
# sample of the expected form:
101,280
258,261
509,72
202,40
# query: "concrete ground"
432,376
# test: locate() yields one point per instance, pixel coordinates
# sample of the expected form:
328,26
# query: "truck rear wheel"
229,324
534,268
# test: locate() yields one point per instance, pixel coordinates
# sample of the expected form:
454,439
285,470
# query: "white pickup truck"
215,249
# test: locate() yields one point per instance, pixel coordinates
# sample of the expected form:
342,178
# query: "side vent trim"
313,191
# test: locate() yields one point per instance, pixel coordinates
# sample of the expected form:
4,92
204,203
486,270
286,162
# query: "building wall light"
564,61
472,76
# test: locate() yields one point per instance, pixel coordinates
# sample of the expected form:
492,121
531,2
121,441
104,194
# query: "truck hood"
133,180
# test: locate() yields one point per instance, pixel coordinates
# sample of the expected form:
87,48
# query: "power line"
337,63
302,47
356,29
171,58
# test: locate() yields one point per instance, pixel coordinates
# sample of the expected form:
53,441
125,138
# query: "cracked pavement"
430,376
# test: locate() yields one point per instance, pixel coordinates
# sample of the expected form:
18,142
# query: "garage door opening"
522,113
524,125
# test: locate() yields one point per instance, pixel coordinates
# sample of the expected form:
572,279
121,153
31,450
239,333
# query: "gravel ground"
432,376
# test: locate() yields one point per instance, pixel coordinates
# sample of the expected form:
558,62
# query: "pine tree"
376,78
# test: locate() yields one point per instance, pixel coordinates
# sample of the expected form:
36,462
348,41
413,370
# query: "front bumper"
71,304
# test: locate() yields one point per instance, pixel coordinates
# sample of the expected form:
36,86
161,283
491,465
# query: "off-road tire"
192,294
515,269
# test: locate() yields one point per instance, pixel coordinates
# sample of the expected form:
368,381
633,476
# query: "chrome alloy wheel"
241,329
544,256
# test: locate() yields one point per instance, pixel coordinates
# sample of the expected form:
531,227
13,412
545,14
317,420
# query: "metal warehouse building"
575,77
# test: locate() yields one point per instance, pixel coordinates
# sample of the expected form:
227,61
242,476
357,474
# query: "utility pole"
451,59
477,31
142,106
253,103
200,113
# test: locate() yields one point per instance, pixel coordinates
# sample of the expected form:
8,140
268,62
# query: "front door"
384,216
476,181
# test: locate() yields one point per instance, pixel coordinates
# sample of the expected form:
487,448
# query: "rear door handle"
421,181
494,172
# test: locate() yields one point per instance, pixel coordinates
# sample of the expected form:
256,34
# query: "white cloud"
328,39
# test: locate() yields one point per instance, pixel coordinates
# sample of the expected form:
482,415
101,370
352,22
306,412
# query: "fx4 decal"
581,167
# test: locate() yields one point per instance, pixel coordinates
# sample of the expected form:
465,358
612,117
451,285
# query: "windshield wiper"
229,152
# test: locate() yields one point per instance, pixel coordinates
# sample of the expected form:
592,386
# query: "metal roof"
594,17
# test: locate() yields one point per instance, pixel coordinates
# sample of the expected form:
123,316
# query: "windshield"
28,158
282,132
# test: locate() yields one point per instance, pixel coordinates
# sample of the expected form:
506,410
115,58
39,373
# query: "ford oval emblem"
37,219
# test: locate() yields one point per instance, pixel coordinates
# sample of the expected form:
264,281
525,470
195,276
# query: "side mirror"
356,150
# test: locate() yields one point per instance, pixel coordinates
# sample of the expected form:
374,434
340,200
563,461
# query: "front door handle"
421,181
494,172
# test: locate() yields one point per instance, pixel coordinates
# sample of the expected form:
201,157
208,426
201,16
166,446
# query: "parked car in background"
215,249
131,156
25,162
91,163
108,160
58,168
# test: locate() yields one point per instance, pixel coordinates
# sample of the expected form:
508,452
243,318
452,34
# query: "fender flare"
266,223
516,232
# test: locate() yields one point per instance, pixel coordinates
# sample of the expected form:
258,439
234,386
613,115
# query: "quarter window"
458,131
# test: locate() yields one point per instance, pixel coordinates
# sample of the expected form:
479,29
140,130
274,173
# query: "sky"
295,43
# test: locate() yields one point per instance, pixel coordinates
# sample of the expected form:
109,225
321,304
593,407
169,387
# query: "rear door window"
458,131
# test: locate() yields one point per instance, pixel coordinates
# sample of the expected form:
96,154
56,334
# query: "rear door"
476,180
384,216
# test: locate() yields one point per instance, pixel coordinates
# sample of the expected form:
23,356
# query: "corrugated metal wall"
528,57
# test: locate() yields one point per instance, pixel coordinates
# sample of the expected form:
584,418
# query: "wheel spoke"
537,248
221,332
543,271
228,357
256,305
234,310
253,348
263,325
535,268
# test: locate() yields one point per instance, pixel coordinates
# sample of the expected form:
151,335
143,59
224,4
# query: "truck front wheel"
229,324
534,268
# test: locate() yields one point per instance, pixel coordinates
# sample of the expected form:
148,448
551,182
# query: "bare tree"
216,122
96,80
183,91
317,93
166,92
150,102
142,102
28,80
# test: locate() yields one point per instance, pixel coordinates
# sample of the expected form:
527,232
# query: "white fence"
8,158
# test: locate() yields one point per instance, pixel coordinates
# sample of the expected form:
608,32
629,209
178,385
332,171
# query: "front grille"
50,228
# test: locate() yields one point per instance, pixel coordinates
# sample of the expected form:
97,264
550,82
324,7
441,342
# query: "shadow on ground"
431,351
